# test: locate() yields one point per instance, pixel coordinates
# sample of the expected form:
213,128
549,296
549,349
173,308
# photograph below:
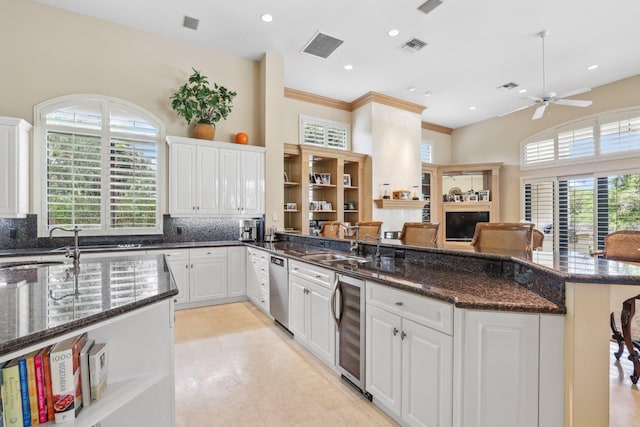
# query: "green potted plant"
202,105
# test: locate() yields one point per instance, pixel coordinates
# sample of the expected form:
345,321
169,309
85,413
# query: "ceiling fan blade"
573,102
535,98
574,92
513,111
539,111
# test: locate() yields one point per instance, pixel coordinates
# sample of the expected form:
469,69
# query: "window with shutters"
425,153
99,158
324,133
605,137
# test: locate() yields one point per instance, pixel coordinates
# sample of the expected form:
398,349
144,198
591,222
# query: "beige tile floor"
234,367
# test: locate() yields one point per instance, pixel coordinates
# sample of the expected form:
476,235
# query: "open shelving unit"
325,185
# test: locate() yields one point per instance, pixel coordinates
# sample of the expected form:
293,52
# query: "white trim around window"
109,148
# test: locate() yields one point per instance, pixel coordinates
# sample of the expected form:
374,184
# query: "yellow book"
11,397
33,393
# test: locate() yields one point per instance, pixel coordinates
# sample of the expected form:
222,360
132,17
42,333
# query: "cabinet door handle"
395,331
197,208
191,265
402,335
208,253
194,208
399,303
318,276
186,266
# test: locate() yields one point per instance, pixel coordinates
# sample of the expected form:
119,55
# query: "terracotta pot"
205,131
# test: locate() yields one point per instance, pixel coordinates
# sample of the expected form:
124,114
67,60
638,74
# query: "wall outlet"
274,216
179,230
13,233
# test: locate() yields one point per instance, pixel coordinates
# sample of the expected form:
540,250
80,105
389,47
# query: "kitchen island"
574,352
123,301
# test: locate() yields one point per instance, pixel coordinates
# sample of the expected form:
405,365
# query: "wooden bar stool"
420,234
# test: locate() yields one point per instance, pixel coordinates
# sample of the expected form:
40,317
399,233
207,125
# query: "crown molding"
387,100
317,99
437,128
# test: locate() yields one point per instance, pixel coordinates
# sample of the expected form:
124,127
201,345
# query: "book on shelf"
11,394
24,391
84,373
98,370
66,378
40,385
46,369
31,384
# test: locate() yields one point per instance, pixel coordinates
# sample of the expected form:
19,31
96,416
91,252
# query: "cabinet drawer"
208,252
426,311
318,275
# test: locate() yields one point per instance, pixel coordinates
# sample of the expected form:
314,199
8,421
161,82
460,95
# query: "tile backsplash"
22,233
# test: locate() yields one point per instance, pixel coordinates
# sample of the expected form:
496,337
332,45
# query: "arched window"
99,165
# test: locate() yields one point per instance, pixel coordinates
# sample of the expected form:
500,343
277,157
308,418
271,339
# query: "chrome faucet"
353,244
75,254
378,239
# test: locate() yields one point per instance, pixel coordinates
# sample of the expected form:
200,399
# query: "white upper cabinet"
208,178
241,182
14,167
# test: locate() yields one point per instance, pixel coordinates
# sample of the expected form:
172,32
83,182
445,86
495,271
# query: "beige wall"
49,52
440,146
498,139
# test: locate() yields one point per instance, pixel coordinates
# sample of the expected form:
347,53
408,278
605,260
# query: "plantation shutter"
102,168
576,143
425,153
618,204
620,136
323,133
74,180
576,215
539,208
539,152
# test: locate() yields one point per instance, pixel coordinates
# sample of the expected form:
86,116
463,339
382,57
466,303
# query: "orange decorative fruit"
242,138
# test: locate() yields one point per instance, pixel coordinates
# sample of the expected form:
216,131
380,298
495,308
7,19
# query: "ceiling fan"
550,97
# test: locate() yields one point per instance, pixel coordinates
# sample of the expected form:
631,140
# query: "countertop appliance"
347,304
279,290
248,230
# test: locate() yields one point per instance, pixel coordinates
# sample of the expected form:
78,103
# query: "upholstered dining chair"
419,234
624,246
538,239
369,228
330,229
502,237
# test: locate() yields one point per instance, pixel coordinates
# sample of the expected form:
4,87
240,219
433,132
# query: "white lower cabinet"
498,368
207,276
258,278
310,318
409,366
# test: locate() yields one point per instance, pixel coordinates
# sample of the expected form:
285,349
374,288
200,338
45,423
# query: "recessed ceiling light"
472,108
411,89
393,33
522,91
348,67
592,67
428,93
265,17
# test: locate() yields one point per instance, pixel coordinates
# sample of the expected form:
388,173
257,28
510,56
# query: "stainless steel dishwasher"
279,290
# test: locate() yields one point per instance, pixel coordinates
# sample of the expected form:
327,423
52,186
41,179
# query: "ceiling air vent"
429,5
322,45
413,45
508,86
191,23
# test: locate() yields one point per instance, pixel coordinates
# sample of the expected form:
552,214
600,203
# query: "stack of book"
53,383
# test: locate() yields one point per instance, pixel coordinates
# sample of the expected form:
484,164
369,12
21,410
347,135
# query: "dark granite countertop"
117,248
39,303
462,289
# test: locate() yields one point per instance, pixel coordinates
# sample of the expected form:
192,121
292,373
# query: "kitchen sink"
29,264
333,258
328,256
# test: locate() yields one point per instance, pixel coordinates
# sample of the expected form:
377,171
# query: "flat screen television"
460,226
